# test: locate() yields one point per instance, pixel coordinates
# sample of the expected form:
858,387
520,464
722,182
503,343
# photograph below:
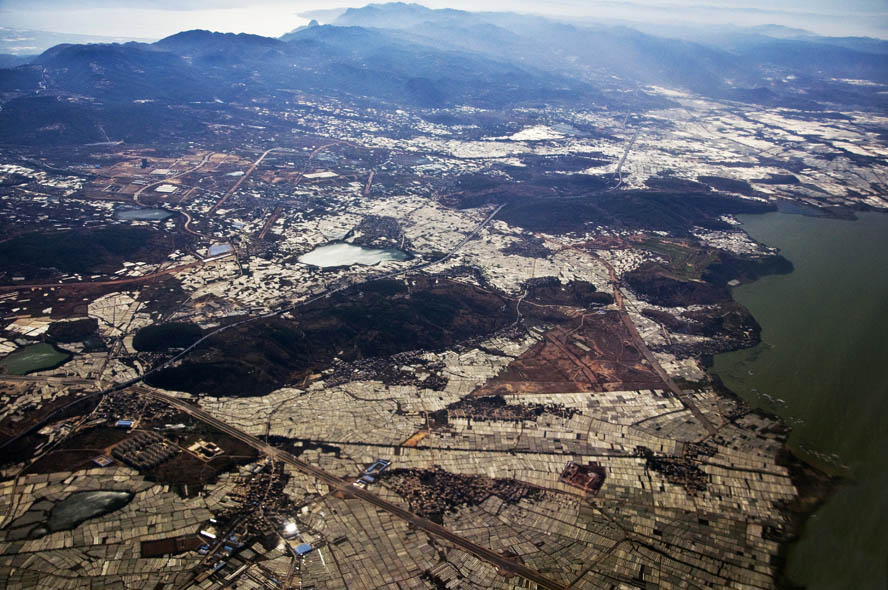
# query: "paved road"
318,297
651,359
88,284
333,481
188,221
369,184
270,221
619,172
166,179
255,165
47,379
240,180
337,483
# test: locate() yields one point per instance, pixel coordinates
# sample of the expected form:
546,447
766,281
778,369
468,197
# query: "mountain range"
406,54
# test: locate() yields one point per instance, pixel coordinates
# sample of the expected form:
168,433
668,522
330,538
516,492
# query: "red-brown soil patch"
594,352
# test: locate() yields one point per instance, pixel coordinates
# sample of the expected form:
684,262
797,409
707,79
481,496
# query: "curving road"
138,379
506,565
166,179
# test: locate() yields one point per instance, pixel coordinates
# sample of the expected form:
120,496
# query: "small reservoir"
142,214
45,516
344,254
36,357
81,506
218,249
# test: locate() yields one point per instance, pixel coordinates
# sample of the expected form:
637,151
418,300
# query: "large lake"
344,254
824,353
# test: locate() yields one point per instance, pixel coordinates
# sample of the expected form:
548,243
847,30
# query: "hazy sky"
158,18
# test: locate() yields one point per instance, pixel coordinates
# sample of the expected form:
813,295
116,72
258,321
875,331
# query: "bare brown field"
595,352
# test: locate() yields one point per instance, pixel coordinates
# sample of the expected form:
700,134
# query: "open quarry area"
340,345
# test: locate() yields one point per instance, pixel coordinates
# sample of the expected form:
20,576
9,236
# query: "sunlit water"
142,214
343,254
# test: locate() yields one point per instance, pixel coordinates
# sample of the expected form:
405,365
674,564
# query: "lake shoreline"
68,355
814,486
815,468
349,254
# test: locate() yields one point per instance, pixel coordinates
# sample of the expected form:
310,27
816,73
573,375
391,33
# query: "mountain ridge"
431,59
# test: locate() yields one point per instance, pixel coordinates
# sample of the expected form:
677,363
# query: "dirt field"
592,353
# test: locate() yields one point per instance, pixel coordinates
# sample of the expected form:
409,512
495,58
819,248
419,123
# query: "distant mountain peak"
196,35
395,15
198,42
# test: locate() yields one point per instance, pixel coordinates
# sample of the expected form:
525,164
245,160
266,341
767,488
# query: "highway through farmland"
504,564
139,378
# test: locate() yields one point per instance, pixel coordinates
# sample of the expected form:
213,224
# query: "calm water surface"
142,214
344,254
81,506
823,366
34,357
